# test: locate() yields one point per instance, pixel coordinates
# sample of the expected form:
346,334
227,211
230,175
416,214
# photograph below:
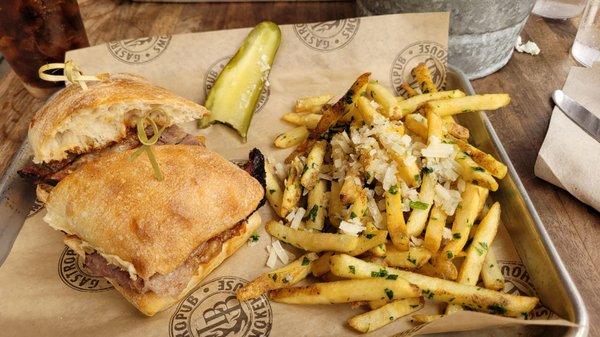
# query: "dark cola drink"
36,32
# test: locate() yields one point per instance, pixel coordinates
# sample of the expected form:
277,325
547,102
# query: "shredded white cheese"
281,253
447,234
351,227
297,218
272,259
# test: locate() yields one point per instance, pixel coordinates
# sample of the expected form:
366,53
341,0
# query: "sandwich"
76,125
156,240
153,239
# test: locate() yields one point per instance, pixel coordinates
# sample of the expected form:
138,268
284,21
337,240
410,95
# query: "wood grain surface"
574,227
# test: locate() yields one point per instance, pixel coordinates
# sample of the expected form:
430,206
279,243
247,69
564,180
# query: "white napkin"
569,157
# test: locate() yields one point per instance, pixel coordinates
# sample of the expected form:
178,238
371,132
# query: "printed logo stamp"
327,36
214,71
432,54
73,273
35,208
517,282
137,51
214,311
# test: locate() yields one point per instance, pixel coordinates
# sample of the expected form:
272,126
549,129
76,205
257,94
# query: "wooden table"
574,227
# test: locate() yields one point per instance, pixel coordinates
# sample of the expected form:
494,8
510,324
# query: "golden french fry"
293,190
359,206
423,77
317,206
414,258
435,126
350,189
408,170
369,240
435,229
368,113
273,189
346,291
417,124
453,106
491,275
335,204
379,250
311,104
383,97
421,318
454,129
487,161
280,278
473,173
395,218
378,303
309,120
314,161
292,138
439,290
464,218
410,92
312,241
320,266
411,105
388,313
418,216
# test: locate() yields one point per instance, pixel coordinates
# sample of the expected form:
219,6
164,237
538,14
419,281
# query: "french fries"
309,120
412,104
421,319
453,106
291,138
280,278
413,258
346,291
473,297
293,188
385,315
314,160
367,160
418,217
488,162
312,241
317,206
423,78
311,104
395,218
491,275
273,188
478,249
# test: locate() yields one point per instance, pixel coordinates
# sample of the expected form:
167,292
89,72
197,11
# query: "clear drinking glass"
558,9
586,48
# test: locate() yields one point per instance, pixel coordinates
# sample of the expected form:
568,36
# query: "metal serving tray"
548,274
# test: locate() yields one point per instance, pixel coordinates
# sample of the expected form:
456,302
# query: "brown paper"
569,157
44,288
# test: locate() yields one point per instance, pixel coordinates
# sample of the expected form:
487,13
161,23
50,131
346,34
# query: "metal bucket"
482,32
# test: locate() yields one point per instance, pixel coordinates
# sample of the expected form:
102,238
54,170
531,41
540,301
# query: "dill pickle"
236,91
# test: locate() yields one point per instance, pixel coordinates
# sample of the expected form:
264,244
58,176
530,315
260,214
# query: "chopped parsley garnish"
426,169
274,277
305,261
389,293
369,236
414,305
456,235
482,248
413,260
352,269
304,169
392,277
380,273
450,255
254,237
417,177
428,293
271,191
312,214
352,215
393,189
478,169
418,205
497,309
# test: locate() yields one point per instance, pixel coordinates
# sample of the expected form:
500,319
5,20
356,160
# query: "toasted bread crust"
117,206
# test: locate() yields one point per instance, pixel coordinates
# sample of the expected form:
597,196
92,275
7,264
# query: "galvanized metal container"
482,32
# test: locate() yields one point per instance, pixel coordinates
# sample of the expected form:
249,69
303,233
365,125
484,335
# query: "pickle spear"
236,91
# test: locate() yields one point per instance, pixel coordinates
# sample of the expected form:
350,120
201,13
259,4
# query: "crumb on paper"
529,47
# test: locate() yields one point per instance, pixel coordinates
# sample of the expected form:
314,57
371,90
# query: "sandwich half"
75,125
156,240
